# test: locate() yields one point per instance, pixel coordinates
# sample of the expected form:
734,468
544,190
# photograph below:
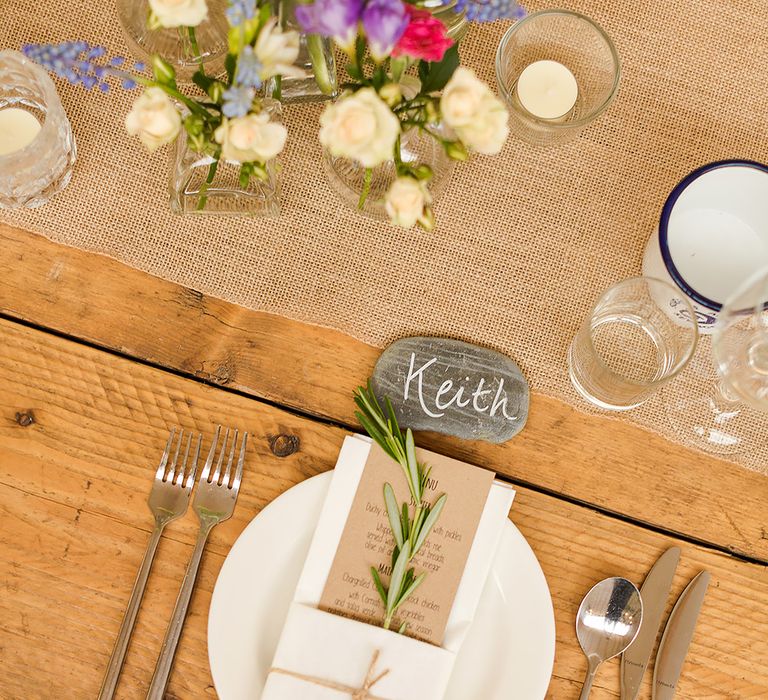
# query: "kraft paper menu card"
323,656
367,541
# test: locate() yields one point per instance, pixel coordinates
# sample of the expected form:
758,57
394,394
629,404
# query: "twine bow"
362,693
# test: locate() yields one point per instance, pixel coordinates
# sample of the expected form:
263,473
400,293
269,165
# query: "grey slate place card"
452,387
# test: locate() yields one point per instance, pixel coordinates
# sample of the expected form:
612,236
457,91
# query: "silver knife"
677,638
654,592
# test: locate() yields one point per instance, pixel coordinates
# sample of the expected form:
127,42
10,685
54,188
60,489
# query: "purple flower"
335,18
384,22
490,10
76,61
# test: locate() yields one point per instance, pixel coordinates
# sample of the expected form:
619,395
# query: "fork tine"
180,475
164,460
193,470
172,470
228,472
219,462
211,453
241,459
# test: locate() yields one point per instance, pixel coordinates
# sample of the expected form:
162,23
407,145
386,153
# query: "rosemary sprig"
410,523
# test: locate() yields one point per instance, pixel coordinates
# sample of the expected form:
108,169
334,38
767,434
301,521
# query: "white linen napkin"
321,656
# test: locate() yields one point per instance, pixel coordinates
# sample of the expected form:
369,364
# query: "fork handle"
175,626
112,673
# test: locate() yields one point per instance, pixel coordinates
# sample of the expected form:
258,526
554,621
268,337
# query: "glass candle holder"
629,346
38,148
551,60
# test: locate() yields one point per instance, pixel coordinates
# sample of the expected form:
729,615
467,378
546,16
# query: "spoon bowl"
607,623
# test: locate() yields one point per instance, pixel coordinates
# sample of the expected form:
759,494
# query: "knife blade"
654,592
677,638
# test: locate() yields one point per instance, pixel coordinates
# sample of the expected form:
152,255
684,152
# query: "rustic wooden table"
98,361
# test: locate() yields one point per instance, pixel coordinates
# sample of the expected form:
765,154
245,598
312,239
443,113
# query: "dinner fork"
168,500
214,502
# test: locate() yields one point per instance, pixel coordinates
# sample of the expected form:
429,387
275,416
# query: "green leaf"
245,174
413,466
398,575
430,521
230,63
393,418
163,71
406,521
409,591
403,627
393,513
379,585
202,81
434,76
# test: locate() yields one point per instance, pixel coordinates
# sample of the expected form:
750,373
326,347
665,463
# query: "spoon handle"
587,687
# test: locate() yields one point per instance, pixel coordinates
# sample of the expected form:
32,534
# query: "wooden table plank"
73,483
592,459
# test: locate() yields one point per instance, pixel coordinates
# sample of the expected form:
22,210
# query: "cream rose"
153,118
277,51
179,13
250,138
360,126
477,116
406,201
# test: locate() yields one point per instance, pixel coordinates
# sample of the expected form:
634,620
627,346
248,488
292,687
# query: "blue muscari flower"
76,62
239,11
237,101
248,69
490,10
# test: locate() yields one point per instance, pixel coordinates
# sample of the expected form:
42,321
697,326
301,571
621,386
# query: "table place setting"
485,248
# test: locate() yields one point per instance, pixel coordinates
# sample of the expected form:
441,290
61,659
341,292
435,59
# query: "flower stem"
320,65
203,199
366,188
195,48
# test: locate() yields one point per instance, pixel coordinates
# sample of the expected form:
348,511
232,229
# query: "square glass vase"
201,186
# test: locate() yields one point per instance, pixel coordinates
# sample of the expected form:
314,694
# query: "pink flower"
424,37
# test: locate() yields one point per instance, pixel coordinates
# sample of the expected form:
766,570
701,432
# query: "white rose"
360,126
179,13
477,116
153,118
249,138
406,201
277,51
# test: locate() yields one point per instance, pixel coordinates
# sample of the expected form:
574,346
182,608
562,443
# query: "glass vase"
455,21
315,59
181,48
35,163
347,177
201,186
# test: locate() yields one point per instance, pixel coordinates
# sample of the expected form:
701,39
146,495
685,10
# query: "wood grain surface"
608,464
81,431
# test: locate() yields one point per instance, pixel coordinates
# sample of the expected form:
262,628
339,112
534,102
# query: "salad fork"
168,500
214,502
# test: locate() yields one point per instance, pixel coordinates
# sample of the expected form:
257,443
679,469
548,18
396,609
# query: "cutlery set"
169,498
616,618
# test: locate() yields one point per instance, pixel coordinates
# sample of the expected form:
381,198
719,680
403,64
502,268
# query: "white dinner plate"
507,655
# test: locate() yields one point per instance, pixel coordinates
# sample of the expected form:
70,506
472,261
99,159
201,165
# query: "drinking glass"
721,404
30,176
574,41
629,345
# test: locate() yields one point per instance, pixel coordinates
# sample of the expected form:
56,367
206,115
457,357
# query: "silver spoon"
607,623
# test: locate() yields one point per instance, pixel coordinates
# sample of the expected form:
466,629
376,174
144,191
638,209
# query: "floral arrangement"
230,120
383,39
410,523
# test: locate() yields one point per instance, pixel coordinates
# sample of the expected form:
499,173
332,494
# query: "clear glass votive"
42,164
629,346
574,47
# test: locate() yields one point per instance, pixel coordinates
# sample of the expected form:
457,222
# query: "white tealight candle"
547,89
18,128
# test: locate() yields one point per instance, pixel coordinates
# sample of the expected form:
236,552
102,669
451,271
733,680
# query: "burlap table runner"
525,241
